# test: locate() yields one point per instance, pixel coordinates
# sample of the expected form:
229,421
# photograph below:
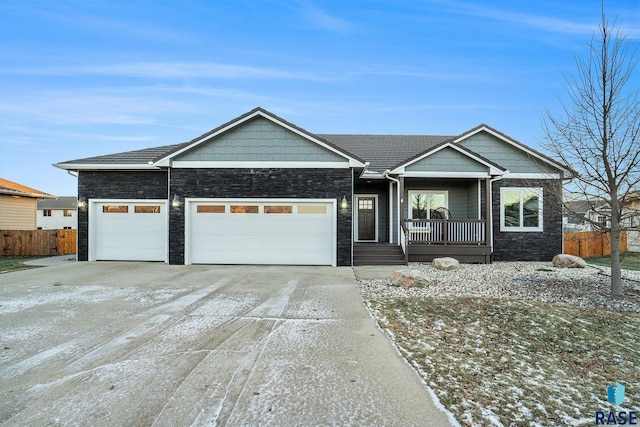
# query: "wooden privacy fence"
37,242
587,244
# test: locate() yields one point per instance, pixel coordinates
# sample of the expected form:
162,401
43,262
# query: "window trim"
412,192
522,228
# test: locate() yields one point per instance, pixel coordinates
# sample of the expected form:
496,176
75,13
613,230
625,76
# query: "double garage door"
217,231
250,231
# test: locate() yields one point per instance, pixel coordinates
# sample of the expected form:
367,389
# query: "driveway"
153,344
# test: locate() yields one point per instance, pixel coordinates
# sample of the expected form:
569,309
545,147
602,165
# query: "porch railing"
445,231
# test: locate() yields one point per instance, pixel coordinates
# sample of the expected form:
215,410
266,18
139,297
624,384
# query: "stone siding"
530,246
261,183
115,185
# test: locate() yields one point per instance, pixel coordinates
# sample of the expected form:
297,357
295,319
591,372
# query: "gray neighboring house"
58,213
261,190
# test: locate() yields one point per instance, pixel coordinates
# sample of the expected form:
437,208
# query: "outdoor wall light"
175,202
343,204
82,202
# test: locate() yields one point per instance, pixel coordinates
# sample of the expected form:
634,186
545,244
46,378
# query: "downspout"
397,181
490,213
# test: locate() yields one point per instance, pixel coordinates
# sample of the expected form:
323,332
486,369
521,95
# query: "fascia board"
105,166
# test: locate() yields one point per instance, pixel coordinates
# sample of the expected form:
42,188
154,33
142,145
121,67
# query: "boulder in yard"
446,263
408,279
568,261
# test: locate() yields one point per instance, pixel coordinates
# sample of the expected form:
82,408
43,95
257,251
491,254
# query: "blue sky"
85,78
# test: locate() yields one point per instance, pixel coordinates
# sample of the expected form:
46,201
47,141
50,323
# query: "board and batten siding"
17,213
447,160
513,159
260,140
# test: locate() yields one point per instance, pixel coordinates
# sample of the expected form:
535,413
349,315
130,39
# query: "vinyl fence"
587,244
37,242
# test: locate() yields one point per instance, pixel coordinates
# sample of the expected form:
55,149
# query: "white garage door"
261,232
132,230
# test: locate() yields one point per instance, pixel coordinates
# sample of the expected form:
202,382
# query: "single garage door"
261,232
132,230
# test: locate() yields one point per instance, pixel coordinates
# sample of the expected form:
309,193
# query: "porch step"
377,254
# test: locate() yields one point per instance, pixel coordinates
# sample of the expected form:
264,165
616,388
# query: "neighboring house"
574,215
58,213
261,190
632,221
18,205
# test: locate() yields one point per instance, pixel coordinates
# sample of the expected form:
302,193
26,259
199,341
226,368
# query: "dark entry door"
366,218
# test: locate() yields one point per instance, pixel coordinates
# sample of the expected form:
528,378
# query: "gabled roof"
494,168
506,138
11,188
382,152
64,202
165,160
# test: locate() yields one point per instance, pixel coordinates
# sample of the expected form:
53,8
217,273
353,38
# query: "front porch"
463,239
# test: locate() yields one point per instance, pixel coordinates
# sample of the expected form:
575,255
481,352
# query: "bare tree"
597,133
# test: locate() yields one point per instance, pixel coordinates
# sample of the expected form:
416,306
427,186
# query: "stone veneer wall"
530,246
260,183
115,185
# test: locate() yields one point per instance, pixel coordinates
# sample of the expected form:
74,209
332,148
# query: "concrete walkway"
154,344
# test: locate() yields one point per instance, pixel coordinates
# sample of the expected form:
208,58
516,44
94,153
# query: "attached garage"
128,230
261,231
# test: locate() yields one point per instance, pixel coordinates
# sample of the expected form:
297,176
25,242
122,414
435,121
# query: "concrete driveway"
152,344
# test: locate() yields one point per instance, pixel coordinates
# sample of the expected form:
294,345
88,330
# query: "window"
210,209
67,212
46,212
146,209
427,204
312,210
244,209
115,209
67,228
278,209
521,209
365,204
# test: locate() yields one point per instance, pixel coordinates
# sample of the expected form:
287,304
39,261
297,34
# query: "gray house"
261,190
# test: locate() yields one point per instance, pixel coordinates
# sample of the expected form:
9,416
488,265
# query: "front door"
366,218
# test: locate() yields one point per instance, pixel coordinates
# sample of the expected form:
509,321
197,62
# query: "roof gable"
449,158
261,121
517,157
259,139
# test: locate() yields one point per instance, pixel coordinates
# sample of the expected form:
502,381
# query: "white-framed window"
427,204
46,212
520,209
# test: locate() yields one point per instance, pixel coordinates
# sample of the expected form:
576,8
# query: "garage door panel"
277,234
137,231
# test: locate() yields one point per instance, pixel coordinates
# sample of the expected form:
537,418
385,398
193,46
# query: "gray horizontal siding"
260,140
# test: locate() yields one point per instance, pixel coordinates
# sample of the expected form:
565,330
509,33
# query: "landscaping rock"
409,279
446,263
568,261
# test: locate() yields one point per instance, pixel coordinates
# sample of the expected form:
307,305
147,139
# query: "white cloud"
323,20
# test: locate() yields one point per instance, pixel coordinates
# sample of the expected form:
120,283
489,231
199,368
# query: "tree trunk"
616,268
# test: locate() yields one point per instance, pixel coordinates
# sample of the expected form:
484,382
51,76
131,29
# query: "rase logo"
615,396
